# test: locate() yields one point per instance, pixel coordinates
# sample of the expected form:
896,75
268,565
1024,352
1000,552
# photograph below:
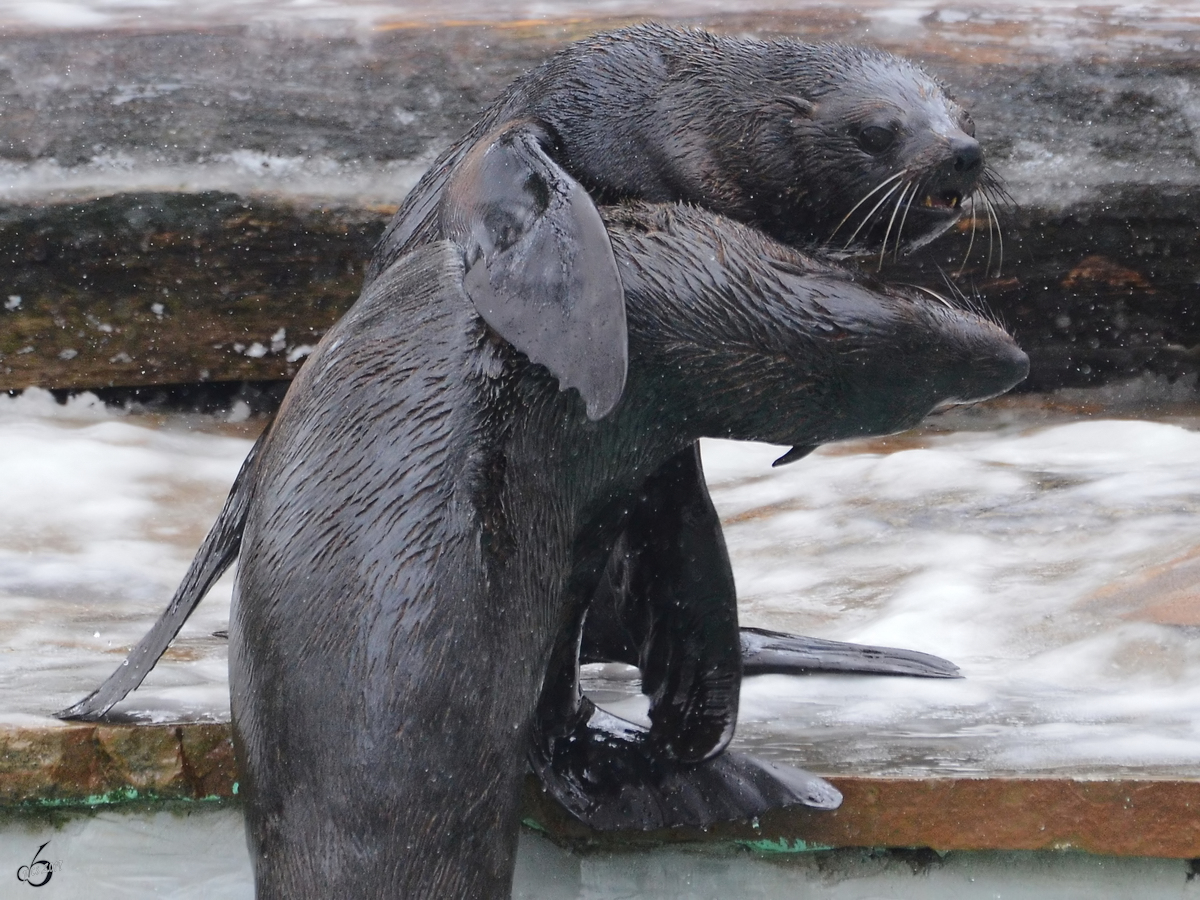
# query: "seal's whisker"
866,220
945,301
990,180
879,187
972,302
991,223
960,296
971,242
904,218
891,222
906,205
999,234
999,194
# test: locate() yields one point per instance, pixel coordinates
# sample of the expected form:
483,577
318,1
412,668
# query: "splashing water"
1027,546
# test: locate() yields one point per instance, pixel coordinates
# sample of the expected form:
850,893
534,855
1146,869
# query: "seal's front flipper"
605,774
540,267
686,608
216,554
775,653
666,604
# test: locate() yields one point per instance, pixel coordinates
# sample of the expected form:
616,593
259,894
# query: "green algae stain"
110,798
124,795
782,845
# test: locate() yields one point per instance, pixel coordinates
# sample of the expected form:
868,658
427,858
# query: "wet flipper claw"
775,653
602,772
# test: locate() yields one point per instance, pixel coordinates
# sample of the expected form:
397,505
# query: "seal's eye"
968,124
876,139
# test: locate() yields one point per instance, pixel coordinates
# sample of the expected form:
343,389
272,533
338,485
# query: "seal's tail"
215,555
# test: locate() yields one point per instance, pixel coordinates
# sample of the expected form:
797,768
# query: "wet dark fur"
663,114
429,512
766,132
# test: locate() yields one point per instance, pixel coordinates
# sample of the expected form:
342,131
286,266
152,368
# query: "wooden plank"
161,288
78,766
1115,817
95,765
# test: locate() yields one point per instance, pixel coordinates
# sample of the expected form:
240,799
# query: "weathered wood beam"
165,288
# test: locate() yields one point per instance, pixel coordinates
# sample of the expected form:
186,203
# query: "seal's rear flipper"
775,653
603,773
215,555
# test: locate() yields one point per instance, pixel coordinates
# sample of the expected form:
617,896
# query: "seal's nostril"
968,155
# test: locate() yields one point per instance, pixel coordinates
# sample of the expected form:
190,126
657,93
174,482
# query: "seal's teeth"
949,200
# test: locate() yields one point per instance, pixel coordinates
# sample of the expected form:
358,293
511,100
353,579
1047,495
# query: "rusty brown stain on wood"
206,754
1112,817
1100,269
1124,818
78,764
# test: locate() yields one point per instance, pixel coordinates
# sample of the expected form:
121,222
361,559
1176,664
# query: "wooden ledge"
78,766
99,765
1112,817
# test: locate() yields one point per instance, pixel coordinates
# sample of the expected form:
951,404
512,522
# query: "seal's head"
754,340
847,147
887,153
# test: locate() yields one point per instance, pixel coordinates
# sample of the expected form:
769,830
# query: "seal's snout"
996,369
968,155
961,163
1013,369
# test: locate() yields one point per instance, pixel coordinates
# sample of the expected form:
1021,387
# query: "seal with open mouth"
846,148
820,145
430,516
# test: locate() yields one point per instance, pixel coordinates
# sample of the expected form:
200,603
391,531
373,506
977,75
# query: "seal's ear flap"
540,268
797,107
799,104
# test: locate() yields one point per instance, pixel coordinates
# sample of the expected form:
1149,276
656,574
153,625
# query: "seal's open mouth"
931,216
913,221
938,206
945,200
